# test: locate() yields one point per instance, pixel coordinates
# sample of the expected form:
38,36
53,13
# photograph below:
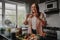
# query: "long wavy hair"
37,8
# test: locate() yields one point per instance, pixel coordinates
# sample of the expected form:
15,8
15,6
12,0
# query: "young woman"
37,20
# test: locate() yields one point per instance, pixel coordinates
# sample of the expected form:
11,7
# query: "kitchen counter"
52,28
52,32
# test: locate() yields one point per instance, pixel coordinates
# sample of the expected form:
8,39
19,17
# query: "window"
0,14
21,14
10,12
14,15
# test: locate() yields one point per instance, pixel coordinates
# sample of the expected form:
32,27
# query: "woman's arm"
43,19
43,23
26,22
42,16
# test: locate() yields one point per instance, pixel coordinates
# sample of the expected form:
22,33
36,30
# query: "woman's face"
33,8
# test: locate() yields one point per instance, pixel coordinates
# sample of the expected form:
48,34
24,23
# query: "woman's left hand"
44,34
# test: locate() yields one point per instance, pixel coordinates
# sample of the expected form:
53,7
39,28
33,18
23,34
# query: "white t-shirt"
34,19
34,23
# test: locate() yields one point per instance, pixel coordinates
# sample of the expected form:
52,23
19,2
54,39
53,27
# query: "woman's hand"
44,34
25,22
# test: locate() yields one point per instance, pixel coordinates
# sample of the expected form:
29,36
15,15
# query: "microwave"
51,5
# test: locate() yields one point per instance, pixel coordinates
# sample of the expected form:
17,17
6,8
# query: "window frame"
3,9
1,15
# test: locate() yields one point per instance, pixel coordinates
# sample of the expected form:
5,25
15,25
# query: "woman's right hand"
25,22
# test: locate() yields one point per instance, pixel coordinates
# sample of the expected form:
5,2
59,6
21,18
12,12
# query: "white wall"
53,20
42,7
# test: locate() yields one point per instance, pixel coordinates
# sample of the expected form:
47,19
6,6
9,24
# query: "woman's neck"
35,15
